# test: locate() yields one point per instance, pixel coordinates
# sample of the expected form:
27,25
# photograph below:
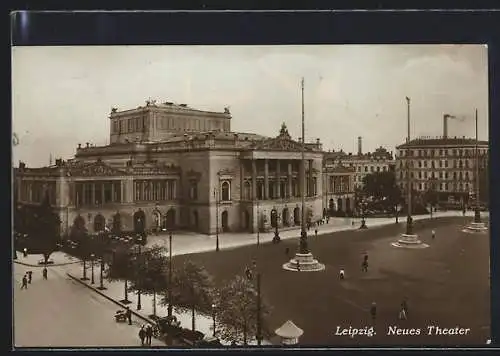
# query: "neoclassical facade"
163,169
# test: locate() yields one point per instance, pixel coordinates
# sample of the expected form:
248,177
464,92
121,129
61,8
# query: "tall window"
226,191
193,190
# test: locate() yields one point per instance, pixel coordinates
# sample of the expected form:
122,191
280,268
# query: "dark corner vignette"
213,197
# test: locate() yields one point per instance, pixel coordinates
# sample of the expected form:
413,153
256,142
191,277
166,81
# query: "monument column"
266,179
254,179
278,180
290,179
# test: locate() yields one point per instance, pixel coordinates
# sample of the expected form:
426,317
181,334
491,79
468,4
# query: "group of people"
403,311
146,334
28,277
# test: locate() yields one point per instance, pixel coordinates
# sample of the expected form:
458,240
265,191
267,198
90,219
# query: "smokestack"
445,124
360,148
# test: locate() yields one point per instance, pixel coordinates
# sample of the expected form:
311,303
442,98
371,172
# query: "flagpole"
303,231
477,214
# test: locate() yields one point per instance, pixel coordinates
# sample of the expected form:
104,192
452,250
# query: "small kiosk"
289,333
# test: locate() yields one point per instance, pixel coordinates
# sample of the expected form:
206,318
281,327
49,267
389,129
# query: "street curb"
111,299
49,265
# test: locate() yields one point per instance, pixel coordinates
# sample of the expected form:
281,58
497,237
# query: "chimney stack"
360,148
445,125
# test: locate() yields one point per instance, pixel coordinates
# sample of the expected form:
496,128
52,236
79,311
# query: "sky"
62,96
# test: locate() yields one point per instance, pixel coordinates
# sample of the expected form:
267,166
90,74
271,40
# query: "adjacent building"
363,164
444,165
170,166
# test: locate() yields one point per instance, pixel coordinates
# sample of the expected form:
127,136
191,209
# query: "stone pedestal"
476,227
303,262
409,241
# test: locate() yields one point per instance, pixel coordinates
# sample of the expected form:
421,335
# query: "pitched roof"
289,330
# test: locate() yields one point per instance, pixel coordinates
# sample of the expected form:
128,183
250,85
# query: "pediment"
96,169
280,143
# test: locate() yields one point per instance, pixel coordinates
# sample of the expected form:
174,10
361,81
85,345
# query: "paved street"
447,284
60,312
190,242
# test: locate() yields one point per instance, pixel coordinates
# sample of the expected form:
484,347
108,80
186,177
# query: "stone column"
290,179
174,189
112,191
278,180
254,179
266,179
242,180
93,194
103,185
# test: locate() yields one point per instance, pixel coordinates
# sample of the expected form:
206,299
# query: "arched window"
226,191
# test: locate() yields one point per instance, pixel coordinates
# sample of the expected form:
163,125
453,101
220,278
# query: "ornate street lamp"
258,224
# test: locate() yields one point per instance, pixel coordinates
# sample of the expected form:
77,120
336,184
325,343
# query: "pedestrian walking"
433,234
316,232
25,252
149,334
364,266
128,313
248,273
142,335
342,273
402,314
44,272
373,311
24,284
327,220
30,276
404,306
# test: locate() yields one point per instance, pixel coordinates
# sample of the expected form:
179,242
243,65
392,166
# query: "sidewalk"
59,258
115,291
188,242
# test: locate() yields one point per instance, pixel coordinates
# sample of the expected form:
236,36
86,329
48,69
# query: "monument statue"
303,242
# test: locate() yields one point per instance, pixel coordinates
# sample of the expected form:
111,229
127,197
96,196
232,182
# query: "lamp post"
258,224
259,312
409,220
92,267
274,217
363,205
477,211
139,267
169,309
213,318
101,277
216,191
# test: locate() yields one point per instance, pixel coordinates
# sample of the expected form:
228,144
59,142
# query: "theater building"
174,167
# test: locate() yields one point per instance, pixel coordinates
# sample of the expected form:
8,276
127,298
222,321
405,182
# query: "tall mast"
477,167
303,166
